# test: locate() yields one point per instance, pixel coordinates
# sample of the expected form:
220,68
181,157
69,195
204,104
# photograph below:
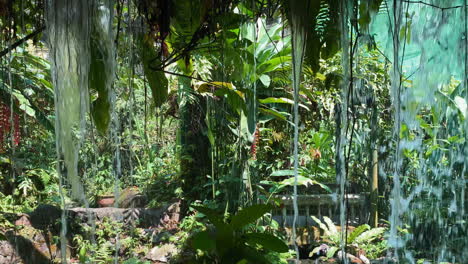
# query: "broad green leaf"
369,235
253,255
233,98
156,79
282,173
275,100
203,241
265,79
4,160
210,135
267,241
245,128
225,239
273,113
214,217
282,100
249,215
273,64
331,252
323,186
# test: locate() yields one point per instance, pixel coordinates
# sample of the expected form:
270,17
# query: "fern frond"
322,19
356,232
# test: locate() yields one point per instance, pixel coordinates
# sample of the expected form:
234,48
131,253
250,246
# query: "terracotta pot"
105,200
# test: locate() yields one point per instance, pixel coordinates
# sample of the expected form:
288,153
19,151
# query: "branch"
183,75
213,83
432,5
21,41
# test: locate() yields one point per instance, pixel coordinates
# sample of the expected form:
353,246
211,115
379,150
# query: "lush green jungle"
233,131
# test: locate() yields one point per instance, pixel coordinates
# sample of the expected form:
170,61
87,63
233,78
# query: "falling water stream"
342,129
427,43
298,47
70,25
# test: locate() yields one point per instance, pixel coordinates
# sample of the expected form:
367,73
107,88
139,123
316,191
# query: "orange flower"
315,154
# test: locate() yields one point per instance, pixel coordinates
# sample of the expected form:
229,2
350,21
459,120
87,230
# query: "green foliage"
248,215
156,78
32,91
110,236
361,238
230,242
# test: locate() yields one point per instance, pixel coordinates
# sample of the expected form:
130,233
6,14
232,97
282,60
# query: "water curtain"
79,39
427,44
299,11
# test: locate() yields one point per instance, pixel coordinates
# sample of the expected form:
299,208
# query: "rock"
171,216
166,216
7,253
45,216
162,253
23,221
28,245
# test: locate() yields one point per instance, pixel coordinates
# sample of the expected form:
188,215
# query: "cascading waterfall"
342,121
68,32
298,46
428,45
396,90
72,28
